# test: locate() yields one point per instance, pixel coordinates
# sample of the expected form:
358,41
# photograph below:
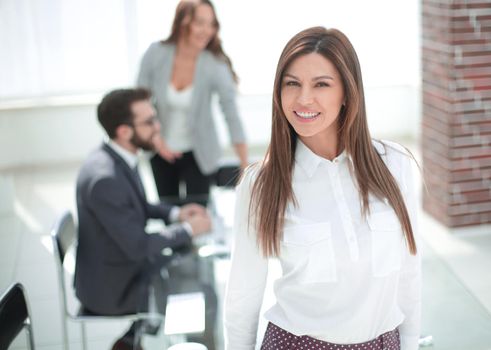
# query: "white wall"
60,56
51,134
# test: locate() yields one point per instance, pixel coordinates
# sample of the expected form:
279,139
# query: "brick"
474,106
462,96
436,111
438,153
470,72
473,197
470,117
442,104
470,175
473,60
469,219
479,13
470,163
468,129
437,176
469,4
438,123
475,24
439,11
437,135
467,27
467,186
476,139
476,41
469,208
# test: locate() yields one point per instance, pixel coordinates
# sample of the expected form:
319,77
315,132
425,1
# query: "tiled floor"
456,266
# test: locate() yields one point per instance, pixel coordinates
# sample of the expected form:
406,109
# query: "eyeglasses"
148,122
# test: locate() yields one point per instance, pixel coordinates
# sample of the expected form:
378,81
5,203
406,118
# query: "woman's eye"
322,84
292,83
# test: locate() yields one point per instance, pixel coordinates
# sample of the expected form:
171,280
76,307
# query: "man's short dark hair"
115,108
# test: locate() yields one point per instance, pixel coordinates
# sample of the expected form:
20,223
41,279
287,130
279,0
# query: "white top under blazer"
345,279
177,133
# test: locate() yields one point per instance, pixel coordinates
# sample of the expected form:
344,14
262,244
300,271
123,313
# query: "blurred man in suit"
118,263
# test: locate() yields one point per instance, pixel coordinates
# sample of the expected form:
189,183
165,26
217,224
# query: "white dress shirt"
345,279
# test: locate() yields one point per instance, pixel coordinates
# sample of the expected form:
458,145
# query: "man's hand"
197,216
199,223
190,210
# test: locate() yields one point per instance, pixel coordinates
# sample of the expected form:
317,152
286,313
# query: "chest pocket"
307,253
387,242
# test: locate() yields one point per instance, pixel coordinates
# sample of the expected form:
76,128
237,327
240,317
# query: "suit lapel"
128,172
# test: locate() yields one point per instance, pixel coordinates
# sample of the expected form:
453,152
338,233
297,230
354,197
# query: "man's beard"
138,142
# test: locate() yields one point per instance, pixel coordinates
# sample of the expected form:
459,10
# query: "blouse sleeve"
410,279
226,88
247,279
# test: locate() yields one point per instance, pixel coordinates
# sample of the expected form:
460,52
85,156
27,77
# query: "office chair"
227,175
14,317
64,235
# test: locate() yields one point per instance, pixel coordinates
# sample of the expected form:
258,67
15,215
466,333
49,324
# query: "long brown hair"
272,190
186,10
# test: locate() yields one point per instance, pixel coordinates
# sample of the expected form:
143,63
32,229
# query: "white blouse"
177,133
345,279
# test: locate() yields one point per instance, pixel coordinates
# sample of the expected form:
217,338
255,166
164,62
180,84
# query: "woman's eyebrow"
313,79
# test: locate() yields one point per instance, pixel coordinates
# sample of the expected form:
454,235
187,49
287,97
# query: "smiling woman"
335,207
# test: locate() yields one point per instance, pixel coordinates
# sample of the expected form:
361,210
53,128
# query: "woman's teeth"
307,115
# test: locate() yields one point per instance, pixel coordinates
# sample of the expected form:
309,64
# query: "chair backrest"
63,236
14,316
227,175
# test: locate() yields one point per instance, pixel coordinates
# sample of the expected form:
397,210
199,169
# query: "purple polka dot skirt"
277,338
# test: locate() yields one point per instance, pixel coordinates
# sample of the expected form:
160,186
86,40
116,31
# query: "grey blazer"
211,75
114,253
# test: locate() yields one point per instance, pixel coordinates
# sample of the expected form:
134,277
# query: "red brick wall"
456,135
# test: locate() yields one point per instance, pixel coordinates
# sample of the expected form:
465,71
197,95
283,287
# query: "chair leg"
30,337
84,336
64,329
137,338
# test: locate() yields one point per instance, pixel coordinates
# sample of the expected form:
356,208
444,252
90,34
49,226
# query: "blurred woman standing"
184,72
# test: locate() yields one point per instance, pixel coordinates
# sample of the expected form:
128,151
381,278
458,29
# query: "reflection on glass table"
195,293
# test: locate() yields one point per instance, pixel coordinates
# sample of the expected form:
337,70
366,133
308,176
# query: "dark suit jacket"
114,252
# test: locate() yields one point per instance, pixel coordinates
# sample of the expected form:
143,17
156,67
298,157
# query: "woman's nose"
305,97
